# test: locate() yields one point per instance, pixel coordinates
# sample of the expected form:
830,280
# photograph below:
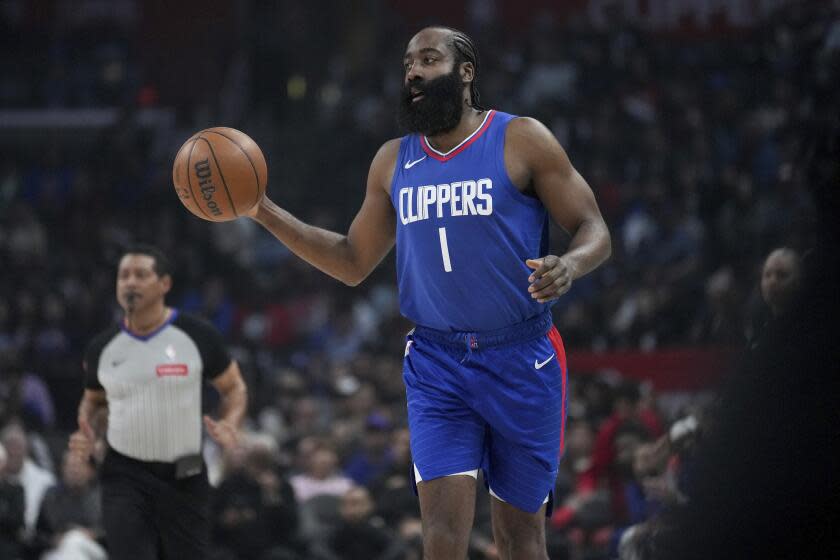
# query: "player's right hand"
252,213
82,440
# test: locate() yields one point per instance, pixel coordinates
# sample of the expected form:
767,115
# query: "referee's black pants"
148,514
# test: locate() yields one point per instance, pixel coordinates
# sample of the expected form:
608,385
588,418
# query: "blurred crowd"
694,148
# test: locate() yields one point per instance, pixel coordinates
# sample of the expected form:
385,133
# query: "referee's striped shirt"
153,384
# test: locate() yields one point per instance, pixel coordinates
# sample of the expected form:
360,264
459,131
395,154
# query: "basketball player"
467,196
146,375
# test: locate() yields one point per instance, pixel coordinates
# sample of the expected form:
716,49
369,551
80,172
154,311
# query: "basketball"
219,174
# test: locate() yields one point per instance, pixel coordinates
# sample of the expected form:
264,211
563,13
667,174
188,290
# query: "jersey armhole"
517,195
405,141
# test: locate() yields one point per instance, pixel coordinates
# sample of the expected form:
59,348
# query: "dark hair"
464,48
162,266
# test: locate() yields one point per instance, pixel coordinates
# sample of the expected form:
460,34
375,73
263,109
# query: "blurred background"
691,121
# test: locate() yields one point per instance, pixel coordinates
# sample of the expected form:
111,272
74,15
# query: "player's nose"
413,73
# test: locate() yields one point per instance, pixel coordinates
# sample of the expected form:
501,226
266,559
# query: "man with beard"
466,196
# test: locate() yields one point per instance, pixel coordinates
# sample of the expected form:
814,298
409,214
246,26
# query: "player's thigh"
447,509
447,435
128,518
183,512
524,407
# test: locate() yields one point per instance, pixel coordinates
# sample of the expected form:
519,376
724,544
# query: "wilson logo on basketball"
167,370
205,180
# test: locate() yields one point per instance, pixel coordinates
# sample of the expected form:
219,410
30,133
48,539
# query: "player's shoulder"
528,129
531,141
389,151
383,164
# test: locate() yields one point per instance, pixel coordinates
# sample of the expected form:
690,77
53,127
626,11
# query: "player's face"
432,99
138,284
779,280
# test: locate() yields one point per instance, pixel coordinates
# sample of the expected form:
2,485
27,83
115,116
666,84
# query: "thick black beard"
440,109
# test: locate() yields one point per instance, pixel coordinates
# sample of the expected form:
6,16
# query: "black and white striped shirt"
153,384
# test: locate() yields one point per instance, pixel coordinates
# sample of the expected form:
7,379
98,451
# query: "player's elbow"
353,279
354,271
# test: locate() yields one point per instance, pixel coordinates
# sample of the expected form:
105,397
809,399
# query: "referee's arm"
94,403
234,403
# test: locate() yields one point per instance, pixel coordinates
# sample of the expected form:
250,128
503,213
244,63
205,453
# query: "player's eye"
429,60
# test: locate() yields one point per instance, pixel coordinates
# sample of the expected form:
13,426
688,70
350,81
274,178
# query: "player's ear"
467,72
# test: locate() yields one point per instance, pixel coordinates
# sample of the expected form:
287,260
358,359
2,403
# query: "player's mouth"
415,95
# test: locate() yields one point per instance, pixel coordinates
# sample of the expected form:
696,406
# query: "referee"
145,376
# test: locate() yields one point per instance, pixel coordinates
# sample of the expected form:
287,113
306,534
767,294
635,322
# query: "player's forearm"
234,404
325,250
590,246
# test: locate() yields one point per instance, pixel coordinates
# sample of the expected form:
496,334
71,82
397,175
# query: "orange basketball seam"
254,167
189,181
222,175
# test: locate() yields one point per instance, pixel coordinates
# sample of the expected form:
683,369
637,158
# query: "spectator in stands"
780,280
374,457
359,533
34,479
254,507
11,511
393,490
71,513
321,477
781,277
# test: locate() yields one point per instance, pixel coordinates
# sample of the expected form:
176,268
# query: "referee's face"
138,284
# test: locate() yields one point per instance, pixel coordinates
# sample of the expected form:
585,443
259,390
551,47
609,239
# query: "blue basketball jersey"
464,232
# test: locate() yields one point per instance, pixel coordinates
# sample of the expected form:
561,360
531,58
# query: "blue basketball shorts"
494,401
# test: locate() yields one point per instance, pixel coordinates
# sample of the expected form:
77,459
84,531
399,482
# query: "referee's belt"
183,467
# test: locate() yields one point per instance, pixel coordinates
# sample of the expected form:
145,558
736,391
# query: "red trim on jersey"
475,135
557,343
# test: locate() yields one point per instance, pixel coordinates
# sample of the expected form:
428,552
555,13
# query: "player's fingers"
552,281
553,276
546,264
540,267
557,288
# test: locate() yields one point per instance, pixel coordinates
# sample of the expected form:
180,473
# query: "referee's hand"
82,440
223,432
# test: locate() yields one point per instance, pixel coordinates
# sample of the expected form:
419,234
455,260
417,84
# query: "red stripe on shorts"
557,343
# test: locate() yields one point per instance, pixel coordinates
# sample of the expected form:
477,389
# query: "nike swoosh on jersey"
539,365
410,164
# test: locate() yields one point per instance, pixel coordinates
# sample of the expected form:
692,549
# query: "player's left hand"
552,277
225,433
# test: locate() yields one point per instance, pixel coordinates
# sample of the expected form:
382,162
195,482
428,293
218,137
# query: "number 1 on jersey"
444,249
